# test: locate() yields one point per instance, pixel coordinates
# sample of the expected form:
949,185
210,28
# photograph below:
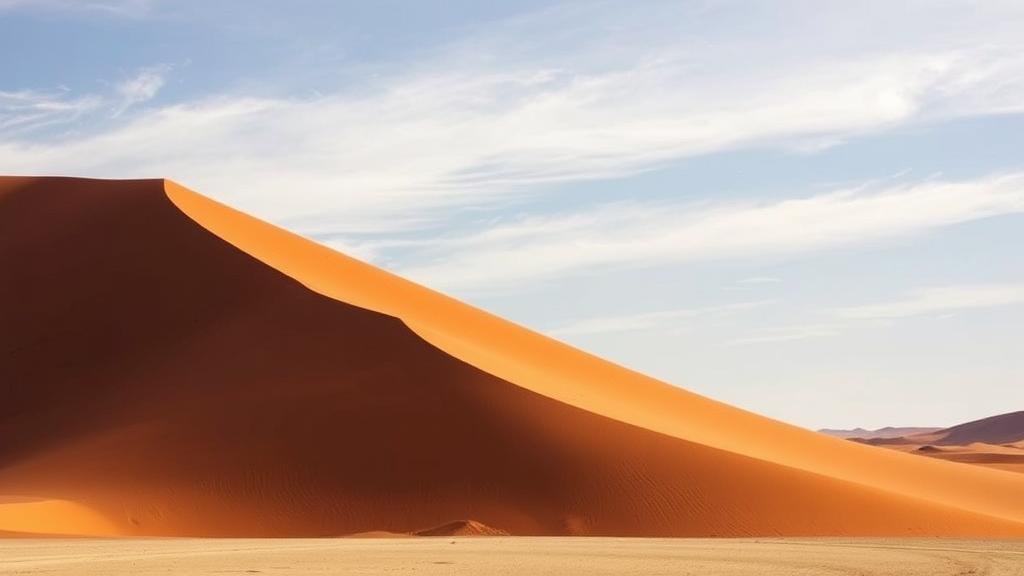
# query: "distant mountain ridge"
996,442
887,432
1001,429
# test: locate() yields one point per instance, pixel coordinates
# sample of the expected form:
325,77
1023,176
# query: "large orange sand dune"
173,367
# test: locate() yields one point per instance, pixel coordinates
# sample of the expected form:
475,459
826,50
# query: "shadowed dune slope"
564,373
158,380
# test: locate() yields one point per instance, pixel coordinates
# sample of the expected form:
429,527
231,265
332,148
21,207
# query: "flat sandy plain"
514,555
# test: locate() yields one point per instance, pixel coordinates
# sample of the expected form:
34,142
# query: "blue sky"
813,210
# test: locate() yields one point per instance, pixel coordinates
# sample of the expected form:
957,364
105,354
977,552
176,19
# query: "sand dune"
456,528
887,432
174,367
995,442
1000,429
461,528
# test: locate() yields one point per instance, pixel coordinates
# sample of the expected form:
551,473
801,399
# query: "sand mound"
461,528
887,432
987,442
378,534
207,374
1001,429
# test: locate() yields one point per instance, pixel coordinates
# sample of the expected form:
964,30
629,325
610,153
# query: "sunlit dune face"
563,373
52,517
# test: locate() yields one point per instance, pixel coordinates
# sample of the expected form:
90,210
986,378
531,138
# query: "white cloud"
644,234
644,321
26,110
24,114
488,116
141,87
790,334
759,280
121,8
939,300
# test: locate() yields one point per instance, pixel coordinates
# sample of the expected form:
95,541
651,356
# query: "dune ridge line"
561,372
175,375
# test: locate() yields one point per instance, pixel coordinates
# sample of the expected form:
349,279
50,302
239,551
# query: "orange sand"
22,517
210,374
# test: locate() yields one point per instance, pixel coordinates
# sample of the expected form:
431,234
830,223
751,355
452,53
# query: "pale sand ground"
497,556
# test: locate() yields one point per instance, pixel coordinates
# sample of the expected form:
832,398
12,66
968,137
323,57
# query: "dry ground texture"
497,556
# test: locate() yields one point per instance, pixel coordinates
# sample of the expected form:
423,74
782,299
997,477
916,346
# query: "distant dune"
996,442
174,367
887,432
461,528
1001,429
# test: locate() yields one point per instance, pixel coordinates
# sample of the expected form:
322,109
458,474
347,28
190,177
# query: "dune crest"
181,369
563,373
461,528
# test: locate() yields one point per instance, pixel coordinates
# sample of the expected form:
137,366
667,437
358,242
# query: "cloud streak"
25,111
791,333
482,120
939,300
928,301
647,234
645,321
141,87
118,8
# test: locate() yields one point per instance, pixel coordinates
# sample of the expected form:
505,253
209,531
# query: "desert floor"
762,557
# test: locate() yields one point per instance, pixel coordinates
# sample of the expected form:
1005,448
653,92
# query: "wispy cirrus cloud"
26,110
485,118
645,320
24,114
926,301
790,333
140,87
939,300
120,8
660,233
756,280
